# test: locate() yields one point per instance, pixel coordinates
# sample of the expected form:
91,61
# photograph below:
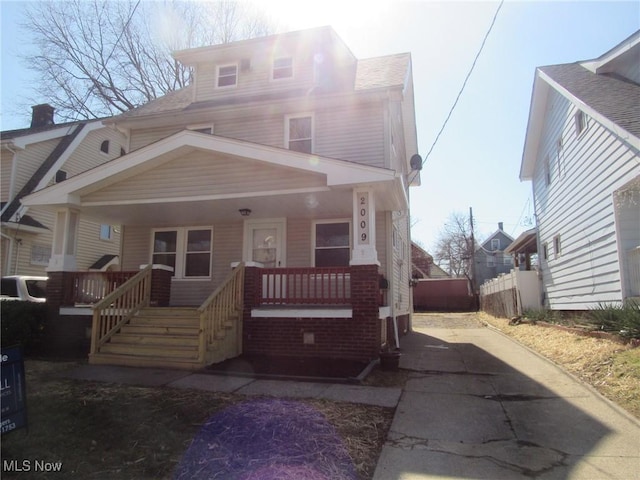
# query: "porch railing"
117,308
87,288
304,286
221,310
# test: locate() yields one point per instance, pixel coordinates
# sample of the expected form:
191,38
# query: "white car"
25,288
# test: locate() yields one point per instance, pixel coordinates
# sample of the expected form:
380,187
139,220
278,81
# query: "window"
560,157
106,232
506,260
40,254
61,176
491,261
580,122
282,68
227,76
332,246
545,251
299,133
186,250
104,146
495,244
547,171
557,247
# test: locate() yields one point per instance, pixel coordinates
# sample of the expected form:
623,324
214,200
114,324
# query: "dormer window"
299,133
282,68
227,76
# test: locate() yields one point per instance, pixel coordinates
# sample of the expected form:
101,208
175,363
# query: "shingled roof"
615,98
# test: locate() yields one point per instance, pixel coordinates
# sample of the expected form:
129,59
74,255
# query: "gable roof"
612,100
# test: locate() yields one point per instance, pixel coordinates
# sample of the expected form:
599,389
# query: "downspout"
12,182
9,253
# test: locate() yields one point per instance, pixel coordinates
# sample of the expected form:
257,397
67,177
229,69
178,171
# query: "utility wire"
464,84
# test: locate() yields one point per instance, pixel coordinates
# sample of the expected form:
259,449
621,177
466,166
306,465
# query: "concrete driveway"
478,405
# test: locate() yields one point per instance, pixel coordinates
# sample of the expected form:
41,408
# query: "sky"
476,161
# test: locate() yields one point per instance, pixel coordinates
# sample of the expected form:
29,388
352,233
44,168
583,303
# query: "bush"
541,315
622,319
22,323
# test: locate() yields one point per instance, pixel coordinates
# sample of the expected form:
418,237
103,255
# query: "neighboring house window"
495,244
227,75
580,122
560,157
282,68
40,254
106,232
104,146
506,260
557,246
545,251
187,250
299,134
204,128
547,170
491,261
332,246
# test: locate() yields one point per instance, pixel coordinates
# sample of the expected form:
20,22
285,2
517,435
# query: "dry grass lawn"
610,367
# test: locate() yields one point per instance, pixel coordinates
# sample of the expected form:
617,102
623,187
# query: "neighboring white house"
581,154
39,156
287,153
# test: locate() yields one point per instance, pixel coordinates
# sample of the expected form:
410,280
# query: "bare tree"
454,248
96,58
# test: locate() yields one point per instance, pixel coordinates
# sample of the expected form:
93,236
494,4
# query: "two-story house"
271,196
581,155
45,154
490,257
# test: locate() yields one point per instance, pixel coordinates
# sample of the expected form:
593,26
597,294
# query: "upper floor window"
104,146
106,232
495,244
332,244
227,75
580,121
282,68
299,134
547,171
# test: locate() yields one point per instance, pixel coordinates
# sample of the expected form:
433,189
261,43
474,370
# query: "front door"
264,242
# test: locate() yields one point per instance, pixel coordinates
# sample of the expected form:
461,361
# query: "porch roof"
328,189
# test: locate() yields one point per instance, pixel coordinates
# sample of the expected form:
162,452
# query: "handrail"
218,309
117,308
304,286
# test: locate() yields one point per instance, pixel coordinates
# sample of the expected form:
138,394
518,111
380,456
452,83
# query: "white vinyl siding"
580,210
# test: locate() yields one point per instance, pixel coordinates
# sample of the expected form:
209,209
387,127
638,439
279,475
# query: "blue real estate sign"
13,399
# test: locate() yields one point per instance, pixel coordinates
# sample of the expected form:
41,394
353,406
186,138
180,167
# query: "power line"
464,84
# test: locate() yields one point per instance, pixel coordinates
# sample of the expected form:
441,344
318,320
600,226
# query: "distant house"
490,257
581,155
266,202
423,265
42,155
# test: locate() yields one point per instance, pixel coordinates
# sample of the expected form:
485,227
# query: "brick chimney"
500,225
42,115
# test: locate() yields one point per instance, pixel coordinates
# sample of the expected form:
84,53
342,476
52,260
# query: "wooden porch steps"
156,337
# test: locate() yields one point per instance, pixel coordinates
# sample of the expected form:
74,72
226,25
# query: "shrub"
541,315
22,323
622,319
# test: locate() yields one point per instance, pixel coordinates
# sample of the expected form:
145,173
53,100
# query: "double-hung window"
187,250
332,247
299,133
227,75
282,68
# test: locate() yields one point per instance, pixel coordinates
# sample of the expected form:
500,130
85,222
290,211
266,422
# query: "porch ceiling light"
245,212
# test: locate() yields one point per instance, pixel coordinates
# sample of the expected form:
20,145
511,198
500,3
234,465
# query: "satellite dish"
416,162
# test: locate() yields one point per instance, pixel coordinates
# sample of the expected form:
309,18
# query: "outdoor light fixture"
245,212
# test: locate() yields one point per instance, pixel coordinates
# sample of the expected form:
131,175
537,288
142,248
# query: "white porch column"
364,227
65,239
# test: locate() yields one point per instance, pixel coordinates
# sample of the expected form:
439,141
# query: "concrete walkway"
478,405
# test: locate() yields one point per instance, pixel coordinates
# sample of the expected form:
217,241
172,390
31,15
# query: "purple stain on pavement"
269,439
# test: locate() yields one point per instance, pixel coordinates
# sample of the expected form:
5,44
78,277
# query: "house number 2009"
363,224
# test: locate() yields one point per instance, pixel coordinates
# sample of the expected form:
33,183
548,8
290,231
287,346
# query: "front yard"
105,431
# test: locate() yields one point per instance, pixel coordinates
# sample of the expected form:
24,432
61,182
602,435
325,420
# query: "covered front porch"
231,247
